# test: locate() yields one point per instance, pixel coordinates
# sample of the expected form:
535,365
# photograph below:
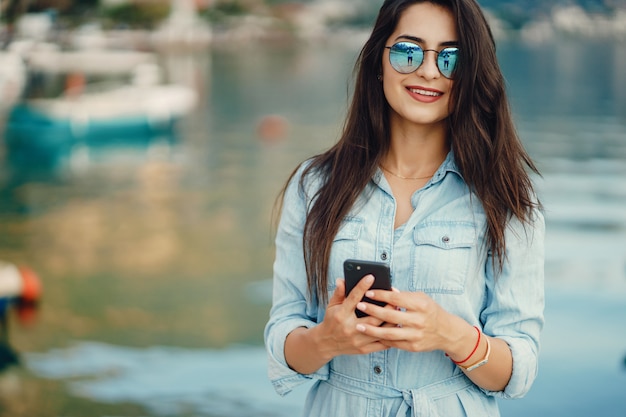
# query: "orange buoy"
31,285
272,128
19,282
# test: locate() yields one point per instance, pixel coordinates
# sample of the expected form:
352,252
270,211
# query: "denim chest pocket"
442,256
345,246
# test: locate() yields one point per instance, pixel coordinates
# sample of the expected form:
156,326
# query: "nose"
429,68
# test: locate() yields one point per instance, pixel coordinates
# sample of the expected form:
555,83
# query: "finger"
413,301
398,344
340,288
389,297
388,313
372,321
389,335
359,290
340,292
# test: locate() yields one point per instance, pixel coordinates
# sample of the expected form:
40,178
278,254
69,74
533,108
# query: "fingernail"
361,306
369,278
369,294
360,327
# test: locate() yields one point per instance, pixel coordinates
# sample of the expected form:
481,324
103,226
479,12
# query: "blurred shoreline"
317,21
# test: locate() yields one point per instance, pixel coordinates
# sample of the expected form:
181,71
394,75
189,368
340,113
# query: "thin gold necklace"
407,178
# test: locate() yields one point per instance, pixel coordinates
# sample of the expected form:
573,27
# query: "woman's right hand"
338,329
308,349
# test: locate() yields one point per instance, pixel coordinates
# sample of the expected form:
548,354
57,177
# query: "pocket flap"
350,229
446,235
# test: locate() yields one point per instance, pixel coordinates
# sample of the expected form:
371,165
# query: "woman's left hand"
418,324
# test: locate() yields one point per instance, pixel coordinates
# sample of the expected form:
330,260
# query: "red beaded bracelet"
473,351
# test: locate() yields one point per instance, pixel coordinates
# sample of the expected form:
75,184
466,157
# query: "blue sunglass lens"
405,57
446,61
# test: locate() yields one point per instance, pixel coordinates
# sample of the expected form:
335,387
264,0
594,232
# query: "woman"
430,177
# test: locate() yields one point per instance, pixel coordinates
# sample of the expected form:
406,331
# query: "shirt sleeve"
514,310
291,305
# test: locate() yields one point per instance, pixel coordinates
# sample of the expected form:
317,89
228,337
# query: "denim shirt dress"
440,251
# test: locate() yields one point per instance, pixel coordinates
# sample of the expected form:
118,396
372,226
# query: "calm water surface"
156,259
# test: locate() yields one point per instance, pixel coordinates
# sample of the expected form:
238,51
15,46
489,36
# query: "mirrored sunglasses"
406,57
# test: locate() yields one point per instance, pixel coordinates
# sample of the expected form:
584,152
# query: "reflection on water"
171,244
168,381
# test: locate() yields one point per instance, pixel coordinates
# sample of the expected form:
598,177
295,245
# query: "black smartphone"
354,270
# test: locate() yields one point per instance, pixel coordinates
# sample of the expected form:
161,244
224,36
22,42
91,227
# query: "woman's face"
421,97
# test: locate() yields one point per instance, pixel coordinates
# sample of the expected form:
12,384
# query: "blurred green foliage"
148,13
221,10
144,15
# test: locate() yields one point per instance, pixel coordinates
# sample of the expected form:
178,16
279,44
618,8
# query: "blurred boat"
138,109
100,113
20,289
18,283
12,79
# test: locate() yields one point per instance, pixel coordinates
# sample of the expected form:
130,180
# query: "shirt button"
383,256
378,369
445,239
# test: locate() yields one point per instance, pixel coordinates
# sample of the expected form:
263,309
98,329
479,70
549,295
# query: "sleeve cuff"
524,370
283,378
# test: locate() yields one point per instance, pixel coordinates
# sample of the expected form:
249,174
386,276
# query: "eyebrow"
420,40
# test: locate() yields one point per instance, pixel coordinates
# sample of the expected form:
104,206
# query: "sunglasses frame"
419,48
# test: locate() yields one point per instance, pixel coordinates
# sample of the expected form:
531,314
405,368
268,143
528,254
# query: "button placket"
377,367
385,231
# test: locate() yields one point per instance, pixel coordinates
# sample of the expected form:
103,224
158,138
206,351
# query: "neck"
417,152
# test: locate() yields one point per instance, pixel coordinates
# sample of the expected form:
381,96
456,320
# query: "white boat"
49,129
12,79
93,111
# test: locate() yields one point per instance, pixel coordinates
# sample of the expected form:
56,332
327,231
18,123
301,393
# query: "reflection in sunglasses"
407,57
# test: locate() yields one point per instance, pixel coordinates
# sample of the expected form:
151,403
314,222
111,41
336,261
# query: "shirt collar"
448,165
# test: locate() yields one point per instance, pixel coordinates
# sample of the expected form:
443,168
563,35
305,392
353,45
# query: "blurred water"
156,258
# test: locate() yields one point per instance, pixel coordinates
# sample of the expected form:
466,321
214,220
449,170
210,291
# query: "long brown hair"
481,133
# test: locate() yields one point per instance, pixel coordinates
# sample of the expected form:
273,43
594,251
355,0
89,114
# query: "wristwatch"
481,362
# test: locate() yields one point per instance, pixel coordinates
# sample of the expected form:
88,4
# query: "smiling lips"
424,95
